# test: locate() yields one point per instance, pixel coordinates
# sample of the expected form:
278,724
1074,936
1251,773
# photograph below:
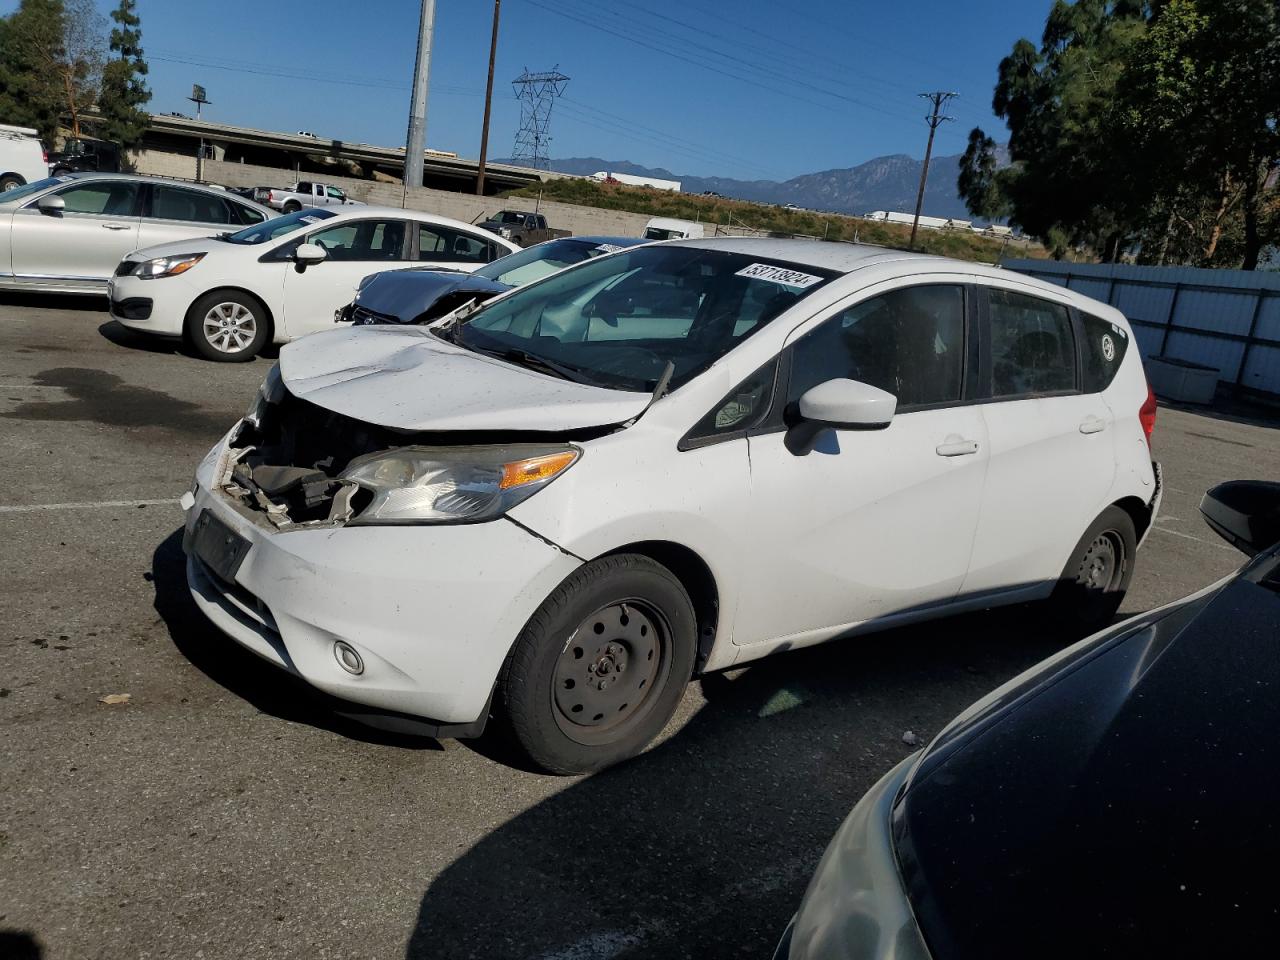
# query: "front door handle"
957,446
116,226
1093,425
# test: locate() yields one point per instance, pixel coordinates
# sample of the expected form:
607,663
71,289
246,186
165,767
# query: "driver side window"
909,342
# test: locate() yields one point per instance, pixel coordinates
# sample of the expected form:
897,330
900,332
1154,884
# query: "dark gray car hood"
404,295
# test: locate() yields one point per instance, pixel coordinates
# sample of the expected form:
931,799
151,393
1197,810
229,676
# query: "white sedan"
667,460
232,294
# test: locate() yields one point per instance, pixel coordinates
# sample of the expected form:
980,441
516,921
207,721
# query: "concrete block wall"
577,219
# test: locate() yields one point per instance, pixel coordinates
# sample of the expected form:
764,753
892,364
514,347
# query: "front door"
1052,447
356,248
871,523
87,240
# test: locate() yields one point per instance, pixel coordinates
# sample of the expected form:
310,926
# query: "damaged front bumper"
429,610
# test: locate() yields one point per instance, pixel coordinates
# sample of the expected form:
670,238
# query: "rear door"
179,213
870,523
87,240
1052,455
356,248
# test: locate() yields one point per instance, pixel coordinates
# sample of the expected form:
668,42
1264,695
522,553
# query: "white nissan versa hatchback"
557,509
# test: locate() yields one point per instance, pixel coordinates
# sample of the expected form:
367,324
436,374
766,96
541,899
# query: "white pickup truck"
304,193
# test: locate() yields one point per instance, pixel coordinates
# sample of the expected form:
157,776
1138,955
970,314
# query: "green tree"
124,89
30,94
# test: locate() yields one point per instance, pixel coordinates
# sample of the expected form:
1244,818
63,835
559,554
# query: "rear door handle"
957,447
116,226
1093,425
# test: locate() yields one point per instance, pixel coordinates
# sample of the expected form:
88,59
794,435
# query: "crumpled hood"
407,378
406,294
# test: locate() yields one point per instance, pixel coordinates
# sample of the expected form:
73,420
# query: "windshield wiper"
534,362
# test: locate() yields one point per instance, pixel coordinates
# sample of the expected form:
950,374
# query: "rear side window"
909,342
442,245
1032,347
1104,348
191,206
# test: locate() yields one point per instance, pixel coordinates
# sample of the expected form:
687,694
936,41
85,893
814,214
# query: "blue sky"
742,88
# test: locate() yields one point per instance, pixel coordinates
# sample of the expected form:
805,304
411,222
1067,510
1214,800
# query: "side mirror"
1245,513
308,255
51,205
839,404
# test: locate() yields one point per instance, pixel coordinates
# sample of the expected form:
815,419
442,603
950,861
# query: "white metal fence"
1226,319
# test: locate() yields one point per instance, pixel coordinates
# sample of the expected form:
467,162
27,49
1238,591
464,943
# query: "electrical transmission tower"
935,120
537,94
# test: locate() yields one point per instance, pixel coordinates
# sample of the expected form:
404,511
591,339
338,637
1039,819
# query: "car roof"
143,178
618,241
365,209
847,258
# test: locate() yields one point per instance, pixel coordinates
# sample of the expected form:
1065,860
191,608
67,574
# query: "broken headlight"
454,484
270,392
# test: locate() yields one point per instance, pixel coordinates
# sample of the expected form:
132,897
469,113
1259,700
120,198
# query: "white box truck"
22,157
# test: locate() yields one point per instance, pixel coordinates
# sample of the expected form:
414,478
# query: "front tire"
600,667
1094,581
227,326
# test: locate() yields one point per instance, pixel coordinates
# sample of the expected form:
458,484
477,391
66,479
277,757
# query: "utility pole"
416,141
488,99
199,98
935,120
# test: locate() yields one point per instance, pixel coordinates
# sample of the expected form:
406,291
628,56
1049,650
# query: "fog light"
347,657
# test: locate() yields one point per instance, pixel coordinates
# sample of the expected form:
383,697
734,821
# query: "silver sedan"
67,234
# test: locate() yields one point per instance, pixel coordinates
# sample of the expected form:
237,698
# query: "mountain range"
885,183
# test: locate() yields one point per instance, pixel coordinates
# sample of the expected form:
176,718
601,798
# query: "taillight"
44,155
1147,414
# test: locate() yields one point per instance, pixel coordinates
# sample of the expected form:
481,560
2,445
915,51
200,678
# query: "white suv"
664,461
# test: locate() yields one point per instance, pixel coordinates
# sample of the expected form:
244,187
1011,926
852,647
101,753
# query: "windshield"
617,321
279,227
542,260
20,193
510,216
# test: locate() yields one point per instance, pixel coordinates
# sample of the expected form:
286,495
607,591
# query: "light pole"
199,99
416,141
488,100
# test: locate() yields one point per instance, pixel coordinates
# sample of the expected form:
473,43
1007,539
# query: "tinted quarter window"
745,406
909,342
247,215
112,198
1032,346
1104,348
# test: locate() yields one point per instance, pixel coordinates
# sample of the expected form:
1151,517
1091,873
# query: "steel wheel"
230,327
1102,566
608,671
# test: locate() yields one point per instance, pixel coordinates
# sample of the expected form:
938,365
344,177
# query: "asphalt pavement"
223,811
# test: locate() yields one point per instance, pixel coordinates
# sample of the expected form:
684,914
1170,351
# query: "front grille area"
363,316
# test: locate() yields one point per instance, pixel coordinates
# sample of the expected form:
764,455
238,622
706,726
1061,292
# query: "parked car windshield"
279,227
544,259
618,321
21,193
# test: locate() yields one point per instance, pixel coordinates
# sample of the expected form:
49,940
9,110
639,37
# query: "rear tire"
227,326
291,207
11,181
600,667
1095,579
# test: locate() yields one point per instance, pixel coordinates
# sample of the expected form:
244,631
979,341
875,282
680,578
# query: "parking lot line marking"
1186,536
90,505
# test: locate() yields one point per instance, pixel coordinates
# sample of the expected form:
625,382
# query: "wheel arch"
232,288
695,576
1138,511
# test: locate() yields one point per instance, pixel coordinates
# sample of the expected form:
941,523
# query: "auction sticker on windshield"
788,278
